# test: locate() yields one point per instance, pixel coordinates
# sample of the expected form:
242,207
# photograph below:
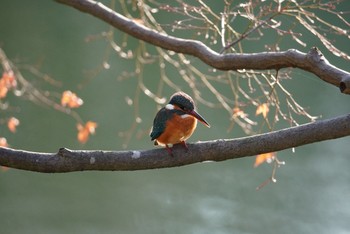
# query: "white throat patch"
185,116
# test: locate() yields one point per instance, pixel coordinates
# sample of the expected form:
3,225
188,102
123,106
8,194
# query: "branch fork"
313,61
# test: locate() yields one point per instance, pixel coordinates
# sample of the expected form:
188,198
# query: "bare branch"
313,61
218,150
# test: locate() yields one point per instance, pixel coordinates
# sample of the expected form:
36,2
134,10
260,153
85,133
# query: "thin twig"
244,35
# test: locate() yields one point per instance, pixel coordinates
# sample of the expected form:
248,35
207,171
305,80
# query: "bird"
176,122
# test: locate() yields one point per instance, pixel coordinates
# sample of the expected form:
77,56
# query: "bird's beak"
199,117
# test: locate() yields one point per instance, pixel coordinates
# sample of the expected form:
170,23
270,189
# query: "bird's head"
185,103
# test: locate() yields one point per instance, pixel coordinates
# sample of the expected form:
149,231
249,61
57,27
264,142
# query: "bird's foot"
183,143
170,148
170,151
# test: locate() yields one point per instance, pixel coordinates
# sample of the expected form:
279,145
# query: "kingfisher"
176,122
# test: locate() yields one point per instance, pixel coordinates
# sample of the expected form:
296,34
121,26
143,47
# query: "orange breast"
178,129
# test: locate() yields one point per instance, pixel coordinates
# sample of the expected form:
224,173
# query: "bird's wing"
159,123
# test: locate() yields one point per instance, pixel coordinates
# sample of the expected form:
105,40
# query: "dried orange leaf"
267,157
83,136
3,142
3,90
12,124
237,112
262,109
9,79
85,131
91,126
71,100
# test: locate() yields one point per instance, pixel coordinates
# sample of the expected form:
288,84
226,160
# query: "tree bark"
66,160
313,61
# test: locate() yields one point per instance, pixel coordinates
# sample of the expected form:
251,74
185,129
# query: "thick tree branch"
67,160
313,61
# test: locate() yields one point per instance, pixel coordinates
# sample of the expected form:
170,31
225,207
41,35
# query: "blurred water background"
311,195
